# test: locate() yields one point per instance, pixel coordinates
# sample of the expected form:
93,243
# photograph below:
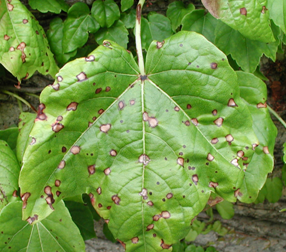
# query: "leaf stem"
138,37
19,99
273,112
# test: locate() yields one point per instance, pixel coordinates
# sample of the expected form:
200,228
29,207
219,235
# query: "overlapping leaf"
25,126
202,23
157,27
254,92
147,149
105,12
126,4
177,11
10,136
9,173
55,6
55,36
23,44
117,32
55,233
246,52
249,17
77,26
277,12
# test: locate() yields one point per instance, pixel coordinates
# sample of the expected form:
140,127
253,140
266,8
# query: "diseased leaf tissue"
148,151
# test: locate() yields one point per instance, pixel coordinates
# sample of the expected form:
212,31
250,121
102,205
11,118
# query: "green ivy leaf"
55,6
23,44
225,209
9,170
200,22
77,26
249,17
277,10
126,4
10,136
56,233
148,150
129,19
245,52
176,12
273,188
117,33
55,36
157,27
25,126
105,12
108,234
254,93
82,217
194,248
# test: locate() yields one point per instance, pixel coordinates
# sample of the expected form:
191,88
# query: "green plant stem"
277,116
19,99
138,37
33,95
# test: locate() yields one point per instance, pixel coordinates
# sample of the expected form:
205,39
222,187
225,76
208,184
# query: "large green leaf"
177,11
157,27
77,26
117,33
55,6
254,92
277,12
9,170
246,52
55,36
148,150
200,22
105,12
23,44
249,17
25,126
56,233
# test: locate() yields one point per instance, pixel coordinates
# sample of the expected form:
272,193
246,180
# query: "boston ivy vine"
148,142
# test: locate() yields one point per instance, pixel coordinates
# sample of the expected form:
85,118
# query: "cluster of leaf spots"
147,153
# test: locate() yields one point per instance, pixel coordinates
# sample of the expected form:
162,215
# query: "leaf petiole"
19,99
138,37
273,112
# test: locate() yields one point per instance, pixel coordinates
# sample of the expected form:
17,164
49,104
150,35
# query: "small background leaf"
117,33
55,6
82,217
273,188
177,11
9,173
200,22
126,4
56,233
129,18
10,136
157,27
225,209
77,26
55,36
105,12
